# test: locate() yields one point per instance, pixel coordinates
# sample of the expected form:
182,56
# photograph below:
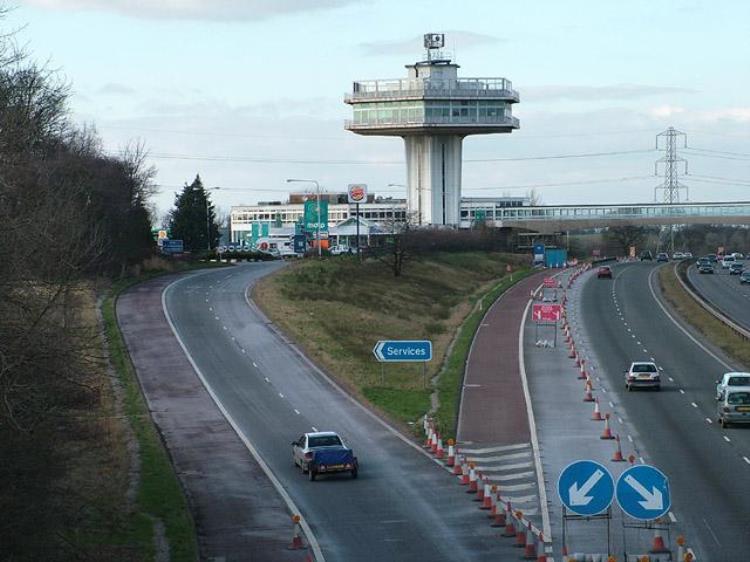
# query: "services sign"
403,351
357,193
546,312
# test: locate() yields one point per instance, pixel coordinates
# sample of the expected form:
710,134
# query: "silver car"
642,374
731,380
735,406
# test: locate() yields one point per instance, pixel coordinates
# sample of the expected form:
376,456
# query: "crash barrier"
695,294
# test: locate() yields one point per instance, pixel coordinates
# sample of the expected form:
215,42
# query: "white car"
338,250
731,379
642,374
727,261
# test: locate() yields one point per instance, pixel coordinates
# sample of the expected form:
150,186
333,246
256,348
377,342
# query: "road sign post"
546,314
403,351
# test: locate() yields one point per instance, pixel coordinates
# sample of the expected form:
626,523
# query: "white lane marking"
611,404
224,327
243,351
216,317
661,368
633,335
641,460
281,395
683,330
494,449
672,518
682,391
747,460
619,419
211,308
645,350
727,439
314,545
267,379
694,405
670,379
653,359
254,365
296,411
639,343
546,527
630,438
712,532
709,420
315,429
604,390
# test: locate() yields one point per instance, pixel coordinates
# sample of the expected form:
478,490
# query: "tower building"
433,110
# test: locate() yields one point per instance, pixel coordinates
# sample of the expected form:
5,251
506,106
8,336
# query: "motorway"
403,506
724,292
675,429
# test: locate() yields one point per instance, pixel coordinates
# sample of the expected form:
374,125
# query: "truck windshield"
324,441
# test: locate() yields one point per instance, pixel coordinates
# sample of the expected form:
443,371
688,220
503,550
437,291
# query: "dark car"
604,272
662,257
647,255
745,277
705,268
713,258
736,268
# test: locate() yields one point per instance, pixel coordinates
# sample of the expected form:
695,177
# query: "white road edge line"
747,460
727,439
683,330
544,506
672,518
253,451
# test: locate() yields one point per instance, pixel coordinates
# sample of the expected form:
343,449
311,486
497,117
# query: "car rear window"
739,381
739,398
324,441
644,368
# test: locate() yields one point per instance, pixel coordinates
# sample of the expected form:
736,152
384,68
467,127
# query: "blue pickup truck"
323,452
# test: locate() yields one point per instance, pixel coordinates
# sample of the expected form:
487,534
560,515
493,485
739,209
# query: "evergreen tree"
194,218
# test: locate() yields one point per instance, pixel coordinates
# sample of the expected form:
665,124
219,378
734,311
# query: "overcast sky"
250,92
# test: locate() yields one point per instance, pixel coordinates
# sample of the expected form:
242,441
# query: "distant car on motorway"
730,380
727,261
643,374
678,256
662,257
734,406
339,250
736,268
688,255
738,255
705,268
323,452
647,255
604,272
713,258
745,277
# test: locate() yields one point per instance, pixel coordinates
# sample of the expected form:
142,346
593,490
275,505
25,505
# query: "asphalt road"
709,468
403,506
725,292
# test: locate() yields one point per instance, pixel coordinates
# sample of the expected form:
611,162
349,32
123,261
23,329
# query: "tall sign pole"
357,193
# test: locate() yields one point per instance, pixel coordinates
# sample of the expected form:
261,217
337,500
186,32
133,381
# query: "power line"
560,184
720,156
721,152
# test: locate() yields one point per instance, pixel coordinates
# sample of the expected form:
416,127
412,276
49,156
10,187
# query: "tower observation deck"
433,110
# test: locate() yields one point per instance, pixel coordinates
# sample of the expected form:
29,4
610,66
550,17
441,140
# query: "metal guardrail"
704,303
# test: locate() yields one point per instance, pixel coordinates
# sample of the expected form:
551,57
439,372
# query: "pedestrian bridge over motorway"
557,218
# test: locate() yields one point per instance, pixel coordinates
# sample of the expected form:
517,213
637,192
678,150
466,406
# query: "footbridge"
557,218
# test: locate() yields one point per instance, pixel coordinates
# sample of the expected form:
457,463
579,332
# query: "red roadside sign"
546,312
550,283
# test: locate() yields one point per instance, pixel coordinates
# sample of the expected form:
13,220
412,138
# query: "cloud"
215,10
462,39
725,114
114,89
663,111
612,92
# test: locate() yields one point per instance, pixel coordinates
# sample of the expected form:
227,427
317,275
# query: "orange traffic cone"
587,394
520,531
480,489
439,451
493,501
451,460
658,546
529,552
597,413
618,451
542,556
457,465
607,433
571,350
487,497
296,543
435,440
500,519
465,471
472,480
510,530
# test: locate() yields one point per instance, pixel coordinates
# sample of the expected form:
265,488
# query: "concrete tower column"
433,177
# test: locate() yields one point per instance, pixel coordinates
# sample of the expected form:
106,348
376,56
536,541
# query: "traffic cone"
428,443
564,552
578,360
500,519
439,451
680,549
510,530
472,480
493,501
487,497
451,454
607,433
587,395
520,531
597,413
465,471
296,543
529,552
457,465
480,489
572,350
434,444
582,375
618,451
658,546
542,556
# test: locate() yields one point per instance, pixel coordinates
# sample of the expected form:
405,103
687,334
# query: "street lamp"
208,217
317,197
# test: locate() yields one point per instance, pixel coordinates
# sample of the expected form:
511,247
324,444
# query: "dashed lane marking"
682,391
747,460
254,365
709,420
727,439
296,411
672,518
281,395
630,438
694,405
315,429
267,379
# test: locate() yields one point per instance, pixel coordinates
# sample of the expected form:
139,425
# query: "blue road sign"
585,487
403,351
643,492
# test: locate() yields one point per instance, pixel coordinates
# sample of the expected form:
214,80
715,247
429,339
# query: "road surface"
724,292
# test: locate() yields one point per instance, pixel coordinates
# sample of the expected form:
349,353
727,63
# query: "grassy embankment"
714,331
337,309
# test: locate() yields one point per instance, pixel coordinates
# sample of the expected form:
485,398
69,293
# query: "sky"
248,93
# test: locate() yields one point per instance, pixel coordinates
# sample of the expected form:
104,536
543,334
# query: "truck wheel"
354,473
311,475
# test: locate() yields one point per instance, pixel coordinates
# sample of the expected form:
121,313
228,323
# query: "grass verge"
159,494
714,330
337,309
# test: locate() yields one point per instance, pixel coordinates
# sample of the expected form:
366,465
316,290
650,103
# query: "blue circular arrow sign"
643,492
586,487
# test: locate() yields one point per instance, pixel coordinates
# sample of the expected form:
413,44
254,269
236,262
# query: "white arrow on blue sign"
586,487
400,351
643,492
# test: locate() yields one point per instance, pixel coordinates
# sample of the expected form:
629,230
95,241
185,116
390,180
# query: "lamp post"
393,208
208,218
317,198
